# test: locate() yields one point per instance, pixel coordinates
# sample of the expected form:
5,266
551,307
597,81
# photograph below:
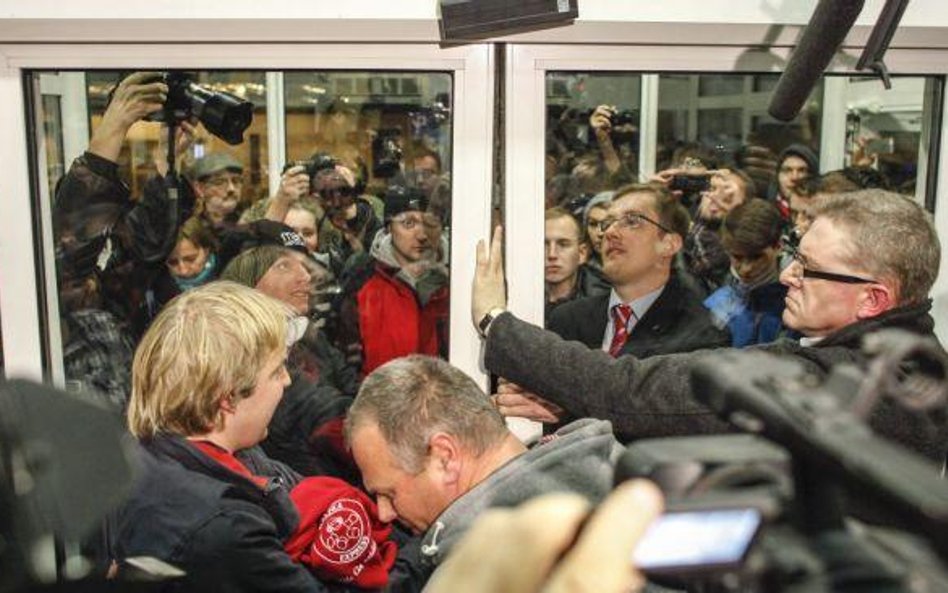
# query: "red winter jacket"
393,323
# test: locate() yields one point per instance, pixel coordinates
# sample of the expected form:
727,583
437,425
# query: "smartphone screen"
697,541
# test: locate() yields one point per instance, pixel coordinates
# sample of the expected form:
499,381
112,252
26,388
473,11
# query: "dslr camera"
223,114
624,118
316,163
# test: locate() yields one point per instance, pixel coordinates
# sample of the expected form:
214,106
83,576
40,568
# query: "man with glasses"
396,299
866,264
648,311
349,223
218,186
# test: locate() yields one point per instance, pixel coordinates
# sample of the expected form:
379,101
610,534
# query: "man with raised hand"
853,275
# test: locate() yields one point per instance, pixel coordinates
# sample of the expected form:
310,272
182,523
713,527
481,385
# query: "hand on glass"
489,290
531,548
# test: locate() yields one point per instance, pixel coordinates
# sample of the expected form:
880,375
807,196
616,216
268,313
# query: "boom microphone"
823,36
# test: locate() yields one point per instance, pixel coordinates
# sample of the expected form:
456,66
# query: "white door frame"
472,151
525,140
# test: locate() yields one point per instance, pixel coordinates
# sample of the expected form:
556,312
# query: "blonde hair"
207,344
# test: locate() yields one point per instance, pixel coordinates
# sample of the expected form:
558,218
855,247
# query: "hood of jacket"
433,273
578,458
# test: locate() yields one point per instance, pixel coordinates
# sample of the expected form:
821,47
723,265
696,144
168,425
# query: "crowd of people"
283,364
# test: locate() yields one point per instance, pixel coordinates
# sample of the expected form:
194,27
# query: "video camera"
819,466
223,114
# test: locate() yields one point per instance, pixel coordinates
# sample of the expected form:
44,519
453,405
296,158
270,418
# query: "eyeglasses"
631,221
806,272
225,180
410,222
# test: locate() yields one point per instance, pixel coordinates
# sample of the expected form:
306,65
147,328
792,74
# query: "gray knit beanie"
601,199
251,265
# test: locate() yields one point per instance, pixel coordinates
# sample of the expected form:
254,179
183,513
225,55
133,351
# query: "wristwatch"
484,324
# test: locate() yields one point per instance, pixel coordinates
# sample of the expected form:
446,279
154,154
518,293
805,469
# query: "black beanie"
399,198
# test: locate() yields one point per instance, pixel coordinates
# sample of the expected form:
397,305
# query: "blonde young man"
207,377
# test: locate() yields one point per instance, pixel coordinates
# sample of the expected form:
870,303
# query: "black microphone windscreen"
823,36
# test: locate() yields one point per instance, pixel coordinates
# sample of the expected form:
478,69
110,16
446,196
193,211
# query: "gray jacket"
653,397
580,458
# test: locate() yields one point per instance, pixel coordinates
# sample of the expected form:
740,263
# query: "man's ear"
583,252
671,244
877,299
227,404
445,457
198,187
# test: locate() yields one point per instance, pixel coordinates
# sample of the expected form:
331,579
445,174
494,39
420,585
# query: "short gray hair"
891,236
412,398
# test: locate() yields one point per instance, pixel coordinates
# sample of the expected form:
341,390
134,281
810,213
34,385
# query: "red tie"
620,319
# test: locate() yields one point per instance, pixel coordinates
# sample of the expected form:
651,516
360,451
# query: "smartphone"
698,542
690,184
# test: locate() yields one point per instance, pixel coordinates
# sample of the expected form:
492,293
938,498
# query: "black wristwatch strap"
484,324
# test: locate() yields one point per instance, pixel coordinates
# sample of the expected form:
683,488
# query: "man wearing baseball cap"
305,431
218,184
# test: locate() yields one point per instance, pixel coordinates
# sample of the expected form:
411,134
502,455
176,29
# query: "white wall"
920,13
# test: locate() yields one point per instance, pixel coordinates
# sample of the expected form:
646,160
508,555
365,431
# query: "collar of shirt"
640,306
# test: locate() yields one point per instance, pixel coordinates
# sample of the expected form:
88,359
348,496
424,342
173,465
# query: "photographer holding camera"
114,250
609,126
106,242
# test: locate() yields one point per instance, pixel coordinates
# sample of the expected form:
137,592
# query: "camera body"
386,153
624,118
312,167
223,114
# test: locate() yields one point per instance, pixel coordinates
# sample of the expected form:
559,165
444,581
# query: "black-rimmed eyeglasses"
806,272
631,221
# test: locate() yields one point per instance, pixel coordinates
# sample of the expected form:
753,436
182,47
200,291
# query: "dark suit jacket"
676,322
654,397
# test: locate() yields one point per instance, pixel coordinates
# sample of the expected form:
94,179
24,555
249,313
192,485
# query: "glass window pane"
592,146
137,160
124,248
884,127
717,85
713,116
572,138
392,132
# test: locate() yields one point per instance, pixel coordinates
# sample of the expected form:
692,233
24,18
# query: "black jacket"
226,533
94,214
676,322
221,529
590,281
94,202
653,397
